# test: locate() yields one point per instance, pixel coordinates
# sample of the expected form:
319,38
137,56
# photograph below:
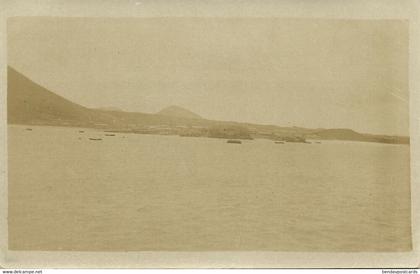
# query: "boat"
95,139
109,134
234,142
279,142
29,129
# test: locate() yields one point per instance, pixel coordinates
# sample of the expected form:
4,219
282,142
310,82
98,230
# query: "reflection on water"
146,192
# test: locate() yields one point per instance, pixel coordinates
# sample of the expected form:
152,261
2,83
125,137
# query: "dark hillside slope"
30,103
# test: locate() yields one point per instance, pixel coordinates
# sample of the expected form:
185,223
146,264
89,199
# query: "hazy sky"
288,72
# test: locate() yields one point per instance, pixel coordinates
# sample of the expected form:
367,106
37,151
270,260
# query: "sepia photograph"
208,134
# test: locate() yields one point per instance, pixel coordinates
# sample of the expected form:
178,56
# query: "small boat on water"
279,142
95,139
29,129
109,134
234,142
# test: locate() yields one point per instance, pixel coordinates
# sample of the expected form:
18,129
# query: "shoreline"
107,130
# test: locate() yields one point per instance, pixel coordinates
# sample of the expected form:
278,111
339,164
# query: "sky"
313,73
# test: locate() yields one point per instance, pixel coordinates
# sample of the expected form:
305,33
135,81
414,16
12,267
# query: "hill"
338,134
175,111
110,108
31,104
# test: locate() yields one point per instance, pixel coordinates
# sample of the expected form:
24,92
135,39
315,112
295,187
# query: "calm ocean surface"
147,192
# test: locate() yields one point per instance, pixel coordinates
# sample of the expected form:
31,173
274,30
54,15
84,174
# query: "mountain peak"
176,111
